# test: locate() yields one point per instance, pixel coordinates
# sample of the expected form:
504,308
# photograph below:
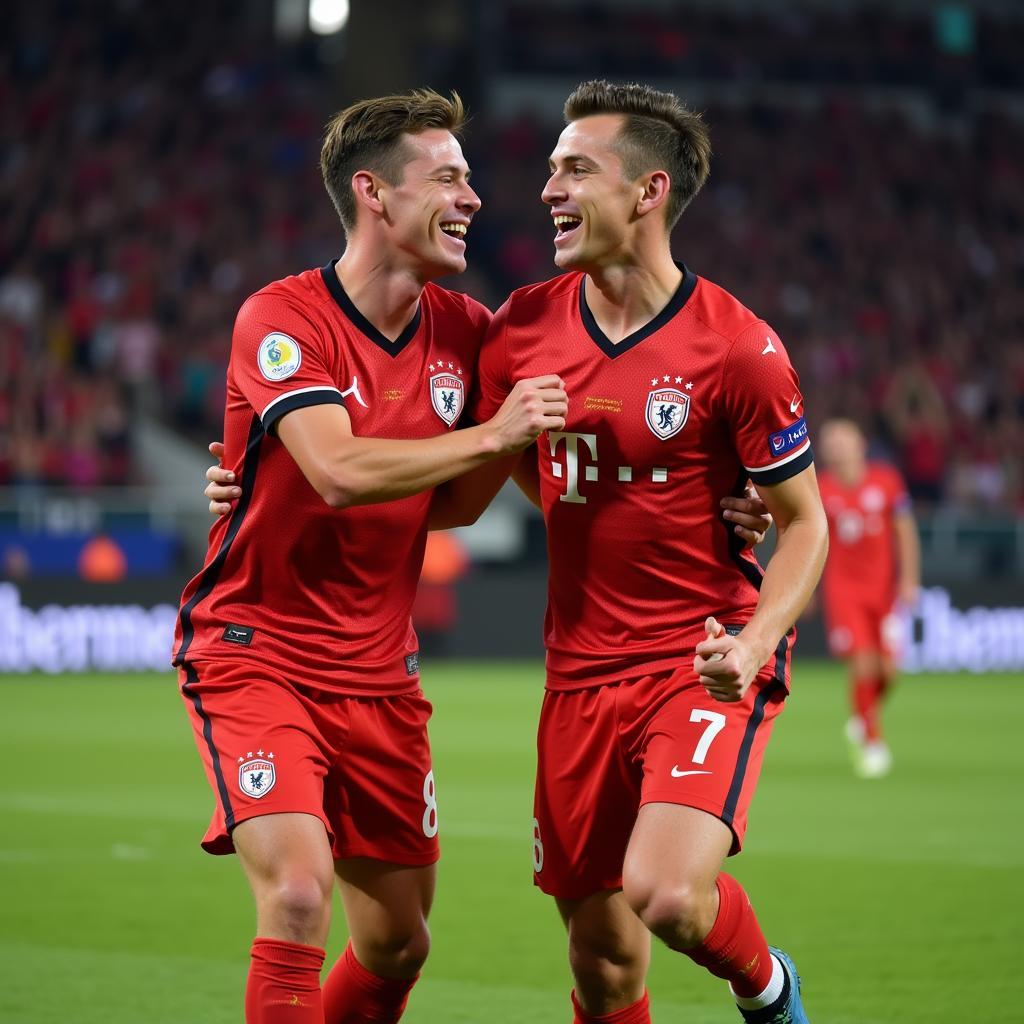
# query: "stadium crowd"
152,175
945,48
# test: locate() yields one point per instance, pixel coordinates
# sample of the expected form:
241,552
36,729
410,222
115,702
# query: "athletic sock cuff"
287,954
636,1013
375,982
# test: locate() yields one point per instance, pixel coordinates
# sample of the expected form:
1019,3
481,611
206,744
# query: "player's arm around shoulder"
346,469
288,369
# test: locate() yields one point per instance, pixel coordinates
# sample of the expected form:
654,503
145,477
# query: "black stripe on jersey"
737,544
212,572
785,471
192,677
348,307
322,396
613,349
756,718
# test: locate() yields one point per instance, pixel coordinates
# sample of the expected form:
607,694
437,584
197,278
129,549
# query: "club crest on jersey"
446,395
667,412
279,356
256,777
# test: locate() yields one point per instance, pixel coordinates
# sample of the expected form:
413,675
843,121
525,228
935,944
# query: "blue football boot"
791,1011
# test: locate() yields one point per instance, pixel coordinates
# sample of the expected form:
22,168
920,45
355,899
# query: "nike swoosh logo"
354,390
677,774
795,404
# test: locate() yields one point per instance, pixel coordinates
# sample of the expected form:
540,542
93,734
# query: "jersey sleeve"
764,407
279,359
491,384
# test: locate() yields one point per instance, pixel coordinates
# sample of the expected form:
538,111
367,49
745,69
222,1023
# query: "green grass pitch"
900,899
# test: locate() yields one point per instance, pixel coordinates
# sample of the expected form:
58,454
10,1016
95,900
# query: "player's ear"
367,188
653,191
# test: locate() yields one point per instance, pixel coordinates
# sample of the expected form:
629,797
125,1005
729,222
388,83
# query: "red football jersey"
862,557
324,595
661,426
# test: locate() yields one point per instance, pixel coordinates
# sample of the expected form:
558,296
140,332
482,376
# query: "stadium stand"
153,175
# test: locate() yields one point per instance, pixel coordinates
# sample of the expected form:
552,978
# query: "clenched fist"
534,405
725,663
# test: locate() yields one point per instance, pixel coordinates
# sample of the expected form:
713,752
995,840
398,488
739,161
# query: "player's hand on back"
725,664
534,405
750,516
221,491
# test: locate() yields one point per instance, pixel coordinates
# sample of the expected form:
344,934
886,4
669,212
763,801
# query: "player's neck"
625,297
386,296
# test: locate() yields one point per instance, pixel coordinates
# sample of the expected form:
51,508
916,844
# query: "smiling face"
427,213
593,202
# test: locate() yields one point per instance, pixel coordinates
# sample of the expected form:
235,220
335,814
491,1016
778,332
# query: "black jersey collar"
613,349
348,307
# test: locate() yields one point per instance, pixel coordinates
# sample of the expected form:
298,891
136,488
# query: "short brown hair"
659,134
367,136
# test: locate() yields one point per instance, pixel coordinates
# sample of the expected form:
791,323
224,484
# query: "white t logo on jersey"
572,463
571,470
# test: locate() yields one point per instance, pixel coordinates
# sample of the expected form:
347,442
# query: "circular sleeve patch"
279,356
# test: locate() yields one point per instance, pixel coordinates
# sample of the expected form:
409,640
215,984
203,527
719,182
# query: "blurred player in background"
667,648
872,574
297,658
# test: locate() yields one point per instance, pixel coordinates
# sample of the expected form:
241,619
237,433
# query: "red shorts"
359,764
856,625
605,751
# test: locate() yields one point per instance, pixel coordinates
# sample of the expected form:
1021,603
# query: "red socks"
638,1013
284,984
735,948
867,697
352,995
284,988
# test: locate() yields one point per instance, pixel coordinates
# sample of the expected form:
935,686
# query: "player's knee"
401,950
678,914
604,969
299,901
412,953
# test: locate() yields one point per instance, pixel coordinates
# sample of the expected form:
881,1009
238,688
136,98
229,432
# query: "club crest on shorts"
446,395
256,777
667,412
